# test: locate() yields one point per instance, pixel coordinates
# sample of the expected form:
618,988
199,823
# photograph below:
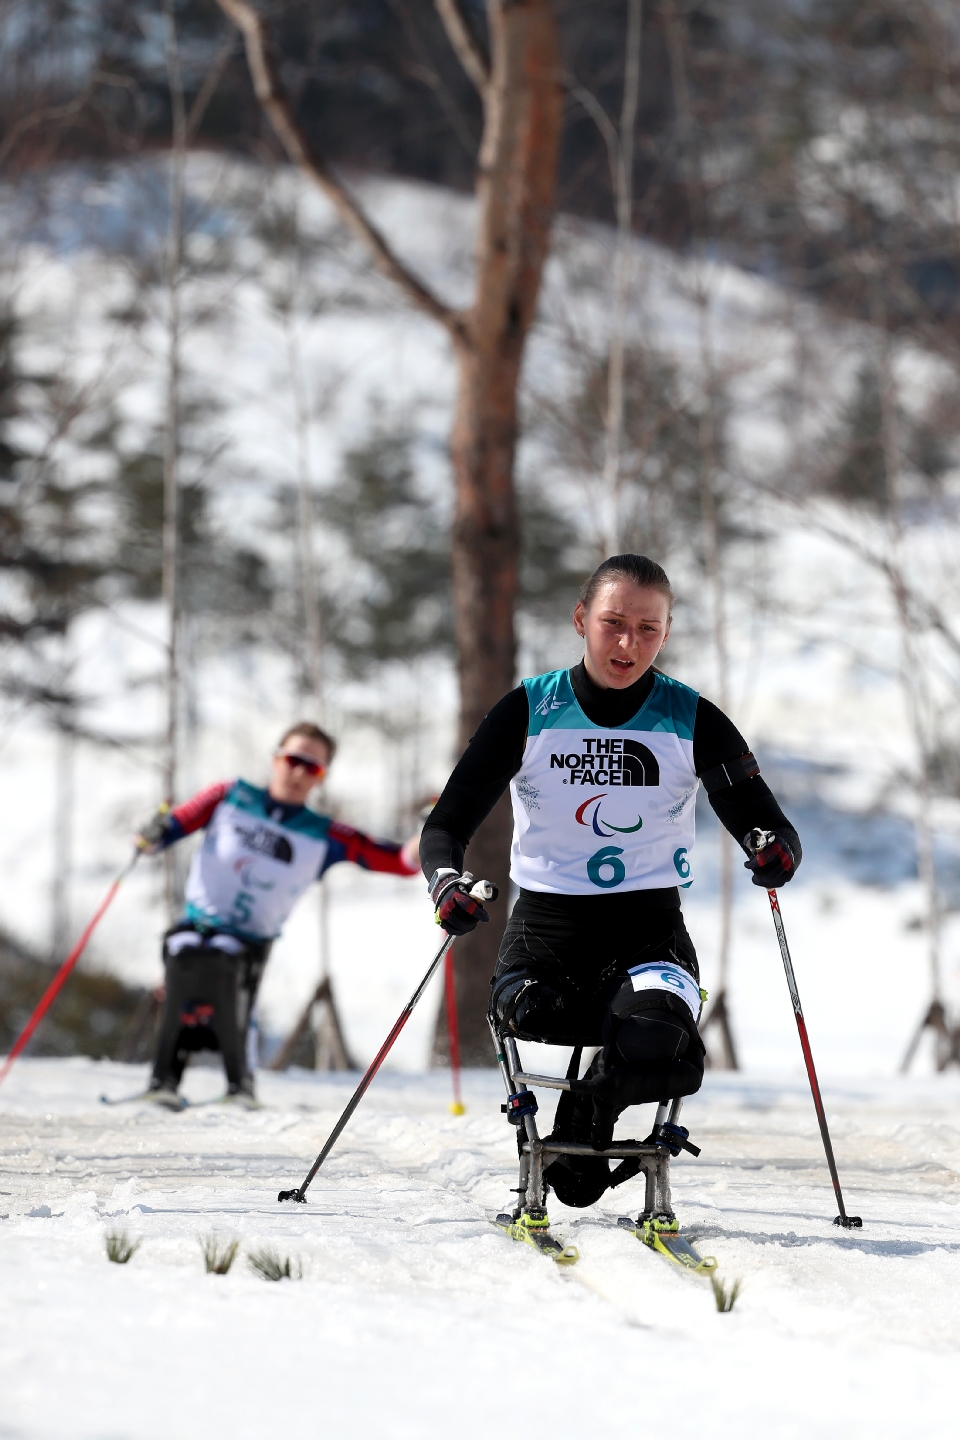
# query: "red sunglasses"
301,762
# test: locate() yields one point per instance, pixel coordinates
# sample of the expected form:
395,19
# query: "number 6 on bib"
607,859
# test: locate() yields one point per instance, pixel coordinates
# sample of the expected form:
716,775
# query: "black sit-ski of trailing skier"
603,762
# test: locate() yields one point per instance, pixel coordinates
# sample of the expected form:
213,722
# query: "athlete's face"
291,783
623,632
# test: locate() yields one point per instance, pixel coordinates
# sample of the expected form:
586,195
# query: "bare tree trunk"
713,555
171,435
61,888
912,676
330,1051
515,188
712,539
516,175
306,552
613,437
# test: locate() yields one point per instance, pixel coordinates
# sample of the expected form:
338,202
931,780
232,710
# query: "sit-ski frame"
535,1153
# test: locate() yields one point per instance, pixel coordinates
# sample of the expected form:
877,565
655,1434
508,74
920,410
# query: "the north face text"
608,762
265,842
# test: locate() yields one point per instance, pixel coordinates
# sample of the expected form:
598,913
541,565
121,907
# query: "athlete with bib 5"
603,762
261,851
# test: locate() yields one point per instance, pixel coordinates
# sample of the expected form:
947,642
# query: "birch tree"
519,87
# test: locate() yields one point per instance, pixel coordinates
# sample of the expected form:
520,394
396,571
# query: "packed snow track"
415,1318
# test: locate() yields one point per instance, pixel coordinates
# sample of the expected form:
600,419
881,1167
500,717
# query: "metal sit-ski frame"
536,1154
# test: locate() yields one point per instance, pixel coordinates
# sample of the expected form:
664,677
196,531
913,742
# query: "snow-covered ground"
416,1319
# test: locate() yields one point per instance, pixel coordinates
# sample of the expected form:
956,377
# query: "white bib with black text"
252,868
600,809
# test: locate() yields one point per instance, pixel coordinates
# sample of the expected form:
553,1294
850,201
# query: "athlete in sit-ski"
261,851
603,762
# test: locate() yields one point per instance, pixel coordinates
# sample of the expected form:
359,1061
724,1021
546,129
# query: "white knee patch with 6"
670,978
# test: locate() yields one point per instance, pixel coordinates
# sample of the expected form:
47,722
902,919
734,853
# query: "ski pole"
453,1033
759,838
482,891
59,980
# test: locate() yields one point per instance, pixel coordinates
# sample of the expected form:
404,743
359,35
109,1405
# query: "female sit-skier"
603,763
262,849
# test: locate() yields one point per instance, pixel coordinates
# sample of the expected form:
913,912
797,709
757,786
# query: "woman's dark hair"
643,572
309,731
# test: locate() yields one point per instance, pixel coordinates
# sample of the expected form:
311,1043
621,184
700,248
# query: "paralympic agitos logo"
597,822
608,762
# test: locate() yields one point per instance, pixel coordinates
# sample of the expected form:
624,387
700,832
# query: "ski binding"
535,1231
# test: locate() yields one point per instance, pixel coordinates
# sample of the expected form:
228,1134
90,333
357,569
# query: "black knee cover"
655,1049
652,1051
652,1037
528,1008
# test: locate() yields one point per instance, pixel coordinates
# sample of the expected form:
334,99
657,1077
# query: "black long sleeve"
747,805
481,775
495,754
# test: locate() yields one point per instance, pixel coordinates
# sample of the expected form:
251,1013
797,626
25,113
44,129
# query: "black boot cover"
201,1012
577,1180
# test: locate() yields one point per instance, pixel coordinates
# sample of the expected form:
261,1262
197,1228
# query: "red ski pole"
453,1034
759,838
59,980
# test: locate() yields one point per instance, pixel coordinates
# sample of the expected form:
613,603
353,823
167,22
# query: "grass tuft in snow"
218,1254
120,1248
725,1295
270,1265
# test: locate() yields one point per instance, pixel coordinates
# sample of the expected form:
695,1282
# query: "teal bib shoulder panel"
253,800
671,706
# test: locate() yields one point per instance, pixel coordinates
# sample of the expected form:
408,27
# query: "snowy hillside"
815,655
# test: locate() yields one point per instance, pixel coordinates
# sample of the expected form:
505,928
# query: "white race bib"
251,869
599,809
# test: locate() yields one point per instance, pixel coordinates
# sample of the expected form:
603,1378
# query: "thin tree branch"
276,102
923,608
41,117
54,113
426,73
601,119
206,92
464,46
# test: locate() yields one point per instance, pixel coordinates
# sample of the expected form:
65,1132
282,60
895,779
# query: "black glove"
454,907
151,837
774,856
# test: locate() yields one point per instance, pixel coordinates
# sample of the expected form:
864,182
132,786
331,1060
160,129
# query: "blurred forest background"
744,362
